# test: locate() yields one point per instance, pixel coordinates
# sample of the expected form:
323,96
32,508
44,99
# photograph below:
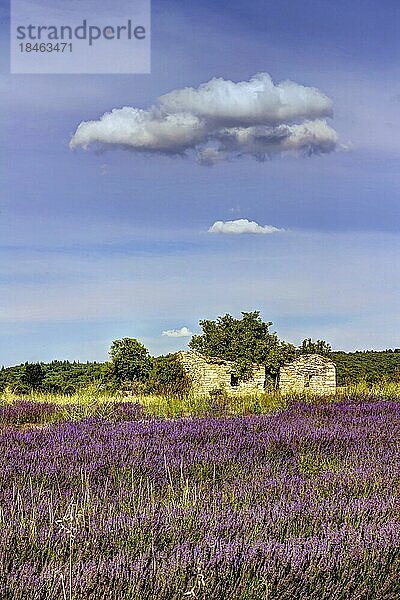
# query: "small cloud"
242,226
178,333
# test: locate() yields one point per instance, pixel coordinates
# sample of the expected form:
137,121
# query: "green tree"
281,353
32,376
243,341
308,346
130,361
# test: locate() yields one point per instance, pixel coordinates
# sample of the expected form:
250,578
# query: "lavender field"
302,504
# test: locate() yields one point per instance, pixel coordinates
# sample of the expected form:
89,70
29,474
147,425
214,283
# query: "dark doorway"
234,380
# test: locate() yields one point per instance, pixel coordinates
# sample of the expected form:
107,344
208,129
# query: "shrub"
168,377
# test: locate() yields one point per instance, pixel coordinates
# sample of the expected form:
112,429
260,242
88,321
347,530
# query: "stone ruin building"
210,374
308,372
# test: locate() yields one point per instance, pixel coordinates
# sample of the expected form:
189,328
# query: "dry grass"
91,401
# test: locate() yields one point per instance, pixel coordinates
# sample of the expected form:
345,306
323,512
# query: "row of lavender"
300,505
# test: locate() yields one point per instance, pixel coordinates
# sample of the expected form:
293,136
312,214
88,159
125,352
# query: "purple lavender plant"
301,505
24,411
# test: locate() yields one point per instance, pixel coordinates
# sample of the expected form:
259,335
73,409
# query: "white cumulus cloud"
242,226
258,101
220,120
178,333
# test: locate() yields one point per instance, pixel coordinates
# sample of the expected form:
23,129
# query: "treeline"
370,366
137,374
58,376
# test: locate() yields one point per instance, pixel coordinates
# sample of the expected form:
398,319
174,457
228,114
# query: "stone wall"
309,372
209,374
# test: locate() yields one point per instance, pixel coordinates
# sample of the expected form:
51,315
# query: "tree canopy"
243,341
32,375
130,361
309,346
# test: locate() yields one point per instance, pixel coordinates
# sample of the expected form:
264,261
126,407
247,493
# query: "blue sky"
97,246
